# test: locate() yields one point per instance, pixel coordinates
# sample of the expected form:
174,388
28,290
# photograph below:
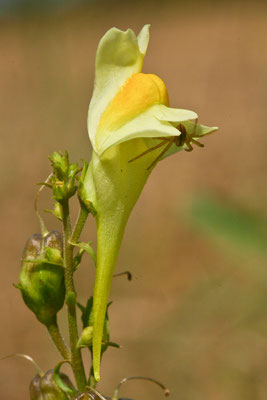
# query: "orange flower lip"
139,92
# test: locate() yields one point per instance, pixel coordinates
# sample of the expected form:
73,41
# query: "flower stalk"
76,358
58,340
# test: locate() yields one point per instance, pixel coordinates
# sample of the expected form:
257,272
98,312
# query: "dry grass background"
189,316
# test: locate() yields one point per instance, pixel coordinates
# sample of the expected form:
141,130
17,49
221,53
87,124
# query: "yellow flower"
131,128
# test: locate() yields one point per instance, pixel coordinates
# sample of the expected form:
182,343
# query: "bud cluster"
63,180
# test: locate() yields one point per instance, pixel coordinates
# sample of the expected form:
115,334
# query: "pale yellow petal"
174,114
118,57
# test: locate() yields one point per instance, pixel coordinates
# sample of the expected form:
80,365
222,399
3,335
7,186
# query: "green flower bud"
87,334
45,387
41,279
57,210
86,337
83,191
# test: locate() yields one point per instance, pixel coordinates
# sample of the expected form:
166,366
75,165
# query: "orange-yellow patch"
140,92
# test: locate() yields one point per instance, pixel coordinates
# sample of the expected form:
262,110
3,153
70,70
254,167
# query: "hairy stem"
83,214
76,359
58,340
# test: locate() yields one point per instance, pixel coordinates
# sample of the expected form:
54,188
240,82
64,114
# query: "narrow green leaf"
60,382
113,344
78,258
87,315
86,247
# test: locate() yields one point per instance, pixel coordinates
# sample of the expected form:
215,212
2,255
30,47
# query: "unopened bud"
86,337
41,279
83,191
87,333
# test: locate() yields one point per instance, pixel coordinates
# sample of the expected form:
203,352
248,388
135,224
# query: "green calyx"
41,279
86,339
45,387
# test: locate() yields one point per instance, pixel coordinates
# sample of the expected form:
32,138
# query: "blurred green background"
195,314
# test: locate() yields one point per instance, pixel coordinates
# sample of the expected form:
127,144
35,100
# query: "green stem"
58,340
76,359
83,214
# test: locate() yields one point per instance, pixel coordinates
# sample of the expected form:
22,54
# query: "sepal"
63,382
57,211
84,247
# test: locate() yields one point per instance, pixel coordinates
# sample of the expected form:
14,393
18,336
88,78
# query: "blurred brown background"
195,314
